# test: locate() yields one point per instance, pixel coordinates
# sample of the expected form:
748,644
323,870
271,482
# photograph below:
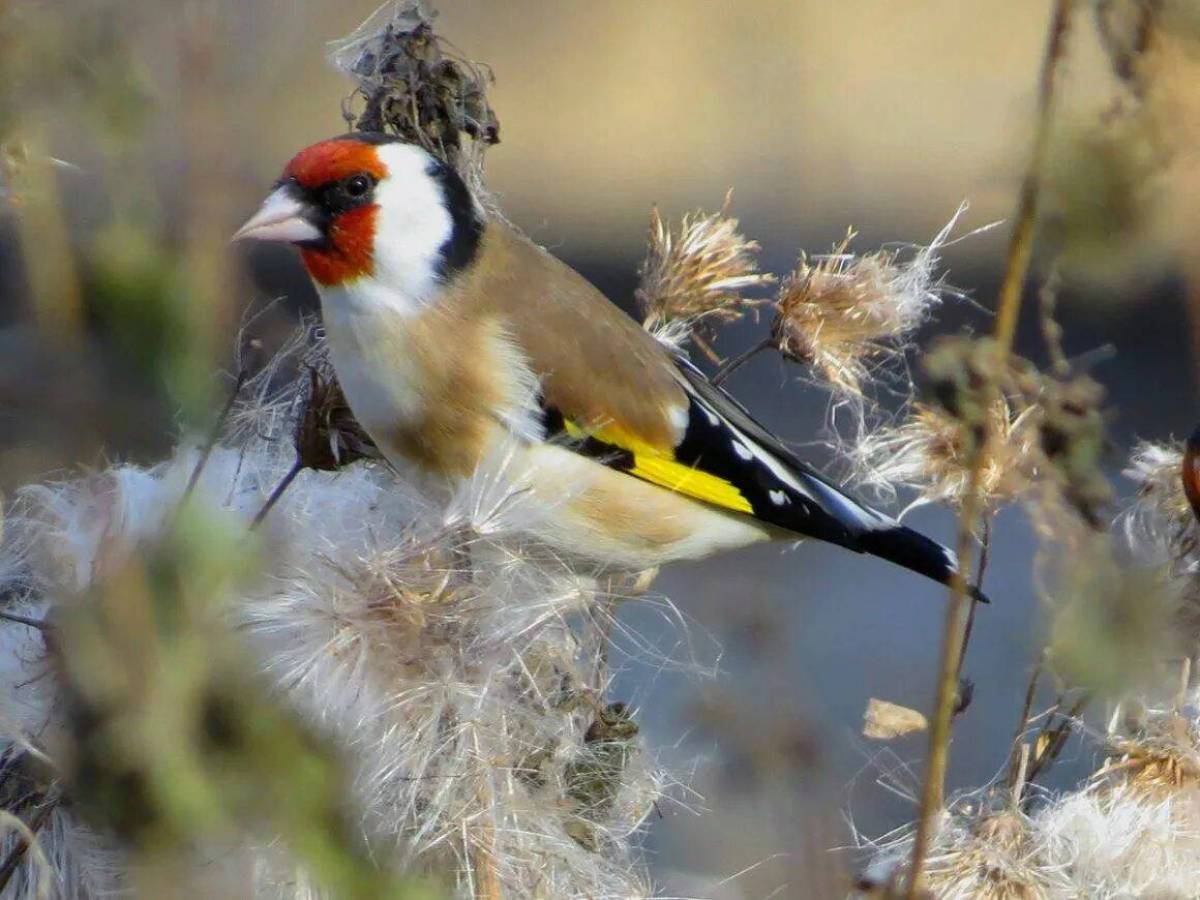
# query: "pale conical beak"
284,217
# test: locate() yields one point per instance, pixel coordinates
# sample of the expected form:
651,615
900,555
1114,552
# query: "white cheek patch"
411,225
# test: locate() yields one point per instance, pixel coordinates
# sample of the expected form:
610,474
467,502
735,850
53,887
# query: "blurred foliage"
134,293
174,742
1113,628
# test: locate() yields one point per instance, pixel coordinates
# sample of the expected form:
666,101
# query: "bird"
457,341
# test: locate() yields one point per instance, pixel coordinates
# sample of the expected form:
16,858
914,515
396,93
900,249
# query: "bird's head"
371,207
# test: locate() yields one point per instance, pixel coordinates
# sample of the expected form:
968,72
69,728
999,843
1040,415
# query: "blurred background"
149,130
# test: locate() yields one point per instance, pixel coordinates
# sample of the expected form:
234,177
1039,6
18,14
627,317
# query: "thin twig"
1009,306
932,794
1056,738
214,436
1051,331
985,542
39,624
284,482
1018,781
1023,723
9,867
706,348
487,879
1020,246
736,362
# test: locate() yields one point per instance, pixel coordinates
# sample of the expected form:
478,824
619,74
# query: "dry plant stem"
985,541
1009,306
284,482
37,624
1022,724
1057,738
1051,330
1018,780
706,348
932,795
214,436
487,884
736,362
1020,246
13,860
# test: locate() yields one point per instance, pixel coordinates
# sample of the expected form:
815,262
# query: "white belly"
587,511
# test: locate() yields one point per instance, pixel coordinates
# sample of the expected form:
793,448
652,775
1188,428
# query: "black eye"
357,186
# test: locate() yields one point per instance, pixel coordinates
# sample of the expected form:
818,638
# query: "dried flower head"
1160,525
995,858
1163,755
1073,443
413,87
841,313
978,851
327,435
930,453
696,275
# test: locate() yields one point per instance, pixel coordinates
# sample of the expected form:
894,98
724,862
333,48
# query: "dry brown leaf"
884,721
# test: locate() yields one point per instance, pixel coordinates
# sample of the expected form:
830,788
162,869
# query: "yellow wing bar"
659,466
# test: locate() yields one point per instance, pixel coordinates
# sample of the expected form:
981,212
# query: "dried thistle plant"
459,677
1073,444
1161,523
328,436
694,277
843,313
1163,755
967,398
929,453
996,859
413,87
982,850
1132,830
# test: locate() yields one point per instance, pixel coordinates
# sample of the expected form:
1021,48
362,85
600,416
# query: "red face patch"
330,161
349,253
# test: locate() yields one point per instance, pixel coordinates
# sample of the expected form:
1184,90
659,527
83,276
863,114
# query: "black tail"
912,550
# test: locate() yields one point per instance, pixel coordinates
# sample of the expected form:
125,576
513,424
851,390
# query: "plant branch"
283,485
734,363
9,867
1022,724
1008,310
1054,738
985,543
1020,247
953,635
214,436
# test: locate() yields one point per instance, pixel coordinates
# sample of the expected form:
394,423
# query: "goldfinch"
458,341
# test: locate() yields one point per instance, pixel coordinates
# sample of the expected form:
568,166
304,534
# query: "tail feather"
912,550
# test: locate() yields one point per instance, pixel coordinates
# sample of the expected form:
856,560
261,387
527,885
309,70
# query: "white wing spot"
779,498
678,416
713,418
742,451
